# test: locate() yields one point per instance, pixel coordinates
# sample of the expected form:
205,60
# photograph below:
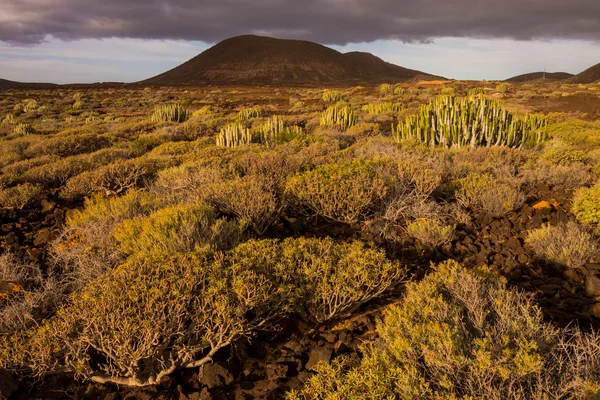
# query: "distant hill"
6,84
538,76
590,75
262,60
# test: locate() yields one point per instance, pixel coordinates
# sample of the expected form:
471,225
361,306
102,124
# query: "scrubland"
146,231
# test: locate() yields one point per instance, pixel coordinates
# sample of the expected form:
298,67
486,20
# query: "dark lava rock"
214,375
316,355
592,286
8,385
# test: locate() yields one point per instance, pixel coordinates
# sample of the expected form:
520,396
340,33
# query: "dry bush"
37,295
179,228
431,233
567,244
254,199
462,334
19,196
87,248
558,176
68,145
58,172
323,279
153,315
498,161
190,182
345,192
485,193
115,178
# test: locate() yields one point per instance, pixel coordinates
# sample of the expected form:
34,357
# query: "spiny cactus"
234,135
274,131
471,121
332,95
381,108
249,113
268,132
30,105
23,129
385,88
9,120
339,117
170,113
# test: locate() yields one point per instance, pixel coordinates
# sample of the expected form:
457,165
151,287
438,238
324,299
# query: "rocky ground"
270,364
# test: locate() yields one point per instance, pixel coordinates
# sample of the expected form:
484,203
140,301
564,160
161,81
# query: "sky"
67,41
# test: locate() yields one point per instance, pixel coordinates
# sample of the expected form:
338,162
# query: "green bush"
153,315
322,278
179,228
586,205
462,334
344,192
430,233
485,193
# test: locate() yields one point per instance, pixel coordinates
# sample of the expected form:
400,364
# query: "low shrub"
430,233
324,279
485,193
586,205
68,145
462,334
344,192
36,294
153,315
179,228
86,248
567,244
19,196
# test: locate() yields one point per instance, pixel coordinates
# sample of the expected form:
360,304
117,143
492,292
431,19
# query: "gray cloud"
26,22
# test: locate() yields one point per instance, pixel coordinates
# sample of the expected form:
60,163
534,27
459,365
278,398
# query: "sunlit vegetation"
146,231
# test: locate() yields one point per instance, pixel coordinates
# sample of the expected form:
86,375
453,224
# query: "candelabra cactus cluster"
269,133
341,117
170,113
249,113
332,95
23,129
471,121
234,135
382,108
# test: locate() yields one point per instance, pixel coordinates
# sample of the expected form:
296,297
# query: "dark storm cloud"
325,21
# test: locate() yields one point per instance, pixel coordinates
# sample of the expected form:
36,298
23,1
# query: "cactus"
339,117
381,108
23,129
9,120
330,96
170,113
385,88
234,135
249,113
30,105
472,121
274,131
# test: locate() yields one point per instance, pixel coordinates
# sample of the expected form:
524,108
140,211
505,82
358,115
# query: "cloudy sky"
127,40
